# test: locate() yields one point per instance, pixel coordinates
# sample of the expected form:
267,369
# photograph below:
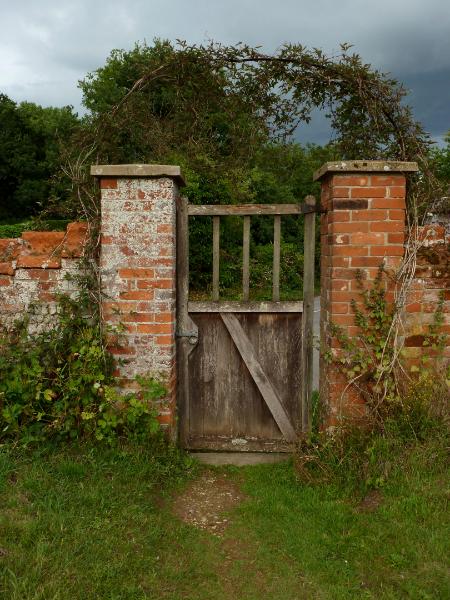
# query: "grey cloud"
47,46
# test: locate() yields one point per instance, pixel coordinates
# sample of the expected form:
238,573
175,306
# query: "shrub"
58,384
406,407
15,230
362,458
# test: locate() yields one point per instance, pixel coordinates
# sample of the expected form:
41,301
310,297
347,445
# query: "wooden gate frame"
187,331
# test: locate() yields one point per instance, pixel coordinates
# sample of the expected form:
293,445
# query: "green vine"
406,405
372,361
59,384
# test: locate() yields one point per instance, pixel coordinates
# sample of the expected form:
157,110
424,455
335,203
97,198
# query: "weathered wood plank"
243,209
184,322
225,401
308,315
266,389
229,444
216,257
276,258
236,306
246,260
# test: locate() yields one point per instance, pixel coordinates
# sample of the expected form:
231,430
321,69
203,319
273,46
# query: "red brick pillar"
363,226
137,270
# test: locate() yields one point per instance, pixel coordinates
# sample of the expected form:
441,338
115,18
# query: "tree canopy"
214,109
226,114
30,155
441,162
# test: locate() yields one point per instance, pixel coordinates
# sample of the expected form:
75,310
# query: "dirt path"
206,502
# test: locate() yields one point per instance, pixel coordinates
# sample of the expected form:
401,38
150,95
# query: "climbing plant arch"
366,108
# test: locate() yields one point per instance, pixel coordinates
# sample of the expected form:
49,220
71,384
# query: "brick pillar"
363,226
137,269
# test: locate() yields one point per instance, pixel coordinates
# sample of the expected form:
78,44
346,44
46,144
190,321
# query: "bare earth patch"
207,501
371,502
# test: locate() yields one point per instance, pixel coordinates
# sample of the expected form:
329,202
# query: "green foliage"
15,229
291,271
30,155
359,458
232,92
440,158
183,106
370,360
281,174
58,384
366,359
214,108
405,407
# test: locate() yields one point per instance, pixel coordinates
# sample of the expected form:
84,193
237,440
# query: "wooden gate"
244,368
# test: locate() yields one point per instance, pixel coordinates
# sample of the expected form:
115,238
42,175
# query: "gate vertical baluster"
276,258
216,257
308,313
246,260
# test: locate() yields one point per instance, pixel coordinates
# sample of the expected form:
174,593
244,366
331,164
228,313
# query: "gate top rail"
247,210
223,210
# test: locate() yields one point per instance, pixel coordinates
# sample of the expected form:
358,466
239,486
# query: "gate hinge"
192,335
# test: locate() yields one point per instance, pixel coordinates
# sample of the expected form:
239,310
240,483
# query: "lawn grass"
89,523
397,550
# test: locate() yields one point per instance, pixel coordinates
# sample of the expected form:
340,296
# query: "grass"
397,550
90,523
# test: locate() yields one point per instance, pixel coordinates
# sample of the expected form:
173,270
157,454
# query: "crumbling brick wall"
430,284
34,269
363,226
136,266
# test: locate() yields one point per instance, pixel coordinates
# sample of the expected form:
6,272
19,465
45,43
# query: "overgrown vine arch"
366,107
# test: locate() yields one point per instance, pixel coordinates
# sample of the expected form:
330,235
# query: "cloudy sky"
46,46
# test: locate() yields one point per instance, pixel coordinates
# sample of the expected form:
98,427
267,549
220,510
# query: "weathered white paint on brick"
28,290
138,232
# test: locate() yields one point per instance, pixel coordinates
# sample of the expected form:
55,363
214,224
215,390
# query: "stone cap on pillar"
139,171
365,166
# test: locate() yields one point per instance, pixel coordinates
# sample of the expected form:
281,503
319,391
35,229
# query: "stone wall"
431,283
363,225
34,268
137,269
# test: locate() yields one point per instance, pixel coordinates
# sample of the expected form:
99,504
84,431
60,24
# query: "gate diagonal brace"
269,394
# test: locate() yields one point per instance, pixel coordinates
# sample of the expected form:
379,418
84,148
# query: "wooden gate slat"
276,258
265,387
223,210
246,260
216,257
259,306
